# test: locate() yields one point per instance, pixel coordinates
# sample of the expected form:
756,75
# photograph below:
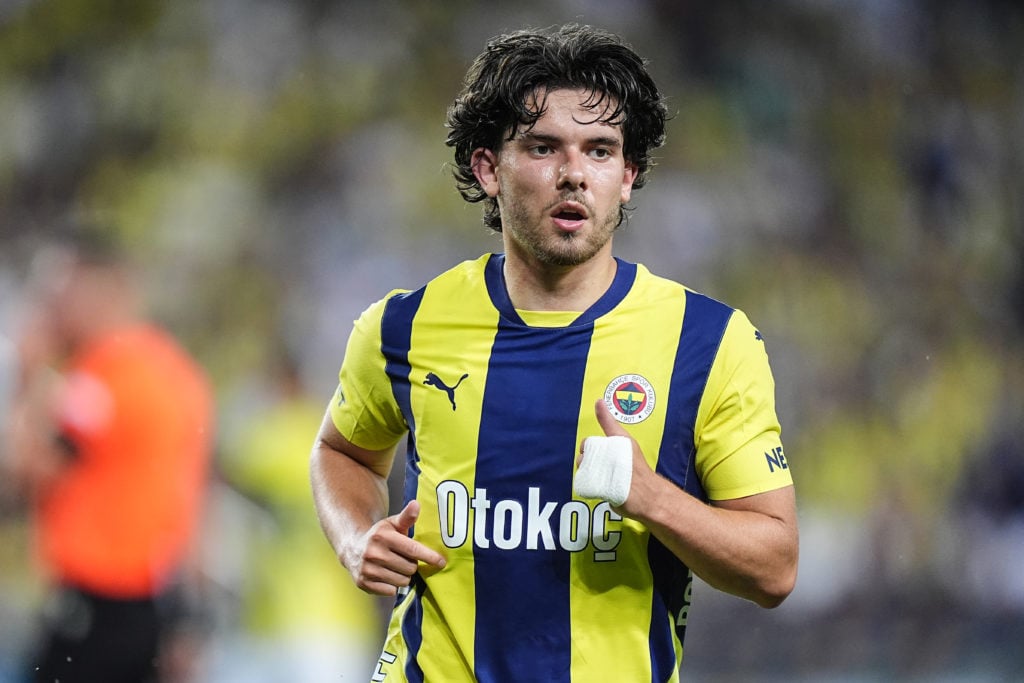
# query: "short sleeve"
738,436
363,407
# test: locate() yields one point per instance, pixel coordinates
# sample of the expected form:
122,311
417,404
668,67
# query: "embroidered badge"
630,398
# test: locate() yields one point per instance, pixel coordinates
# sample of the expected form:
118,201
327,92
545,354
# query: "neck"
533,286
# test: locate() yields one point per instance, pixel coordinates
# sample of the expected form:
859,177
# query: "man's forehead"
596,101
593,108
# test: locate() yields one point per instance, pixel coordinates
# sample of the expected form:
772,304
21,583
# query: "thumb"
609,424
408,516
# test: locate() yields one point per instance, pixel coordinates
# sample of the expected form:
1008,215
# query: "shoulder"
741,339
646,281
399,306
465,286
716,322
133,349
465,274
649,284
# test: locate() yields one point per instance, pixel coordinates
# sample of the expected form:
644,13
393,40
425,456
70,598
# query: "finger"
392,560
376,587
391,554
609,424
405,519
380,583
409,548
417,552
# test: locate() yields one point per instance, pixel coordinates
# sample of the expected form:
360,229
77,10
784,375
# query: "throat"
574,288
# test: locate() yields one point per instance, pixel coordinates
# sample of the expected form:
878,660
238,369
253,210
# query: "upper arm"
377,461
778,504
779,508
349,485
773,543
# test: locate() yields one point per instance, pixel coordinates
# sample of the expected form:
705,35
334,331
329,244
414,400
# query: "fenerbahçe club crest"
630,398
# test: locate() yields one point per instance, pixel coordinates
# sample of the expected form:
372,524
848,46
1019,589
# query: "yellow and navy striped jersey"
540,585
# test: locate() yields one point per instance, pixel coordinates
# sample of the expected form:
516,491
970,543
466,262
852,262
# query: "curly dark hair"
495,99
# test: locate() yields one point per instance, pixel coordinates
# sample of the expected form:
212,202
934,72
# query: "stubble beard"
558,249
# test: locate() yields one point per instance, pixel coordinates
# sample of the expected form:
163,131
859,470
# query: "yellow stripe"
395,653
445,449
601,590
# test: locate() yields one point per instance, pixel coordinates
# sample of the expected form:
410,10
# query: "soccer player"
582,434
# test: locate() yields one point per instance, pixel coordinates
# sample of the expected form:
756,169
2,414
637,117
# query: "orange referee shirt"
139,413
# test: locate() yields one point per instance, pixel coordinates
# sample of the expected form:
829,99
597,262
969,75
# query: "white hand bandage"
606,470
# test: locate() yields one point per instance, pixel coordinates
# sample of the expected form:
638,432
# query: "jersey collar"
494,276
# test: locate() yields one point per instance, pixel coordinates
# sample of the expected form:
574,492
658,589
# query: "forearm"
745,552
349,497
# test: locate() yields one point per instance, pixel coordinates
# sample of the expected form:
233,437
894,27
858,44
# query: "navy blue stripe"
527,439
494,277
704,323
396,339
412,630
664,570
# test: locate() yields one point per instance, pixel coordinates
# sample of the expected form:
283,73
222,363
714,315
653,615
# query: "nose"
571,173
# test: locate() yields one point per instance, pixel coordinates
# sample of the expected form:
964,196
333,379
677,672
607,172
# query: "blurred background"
848,172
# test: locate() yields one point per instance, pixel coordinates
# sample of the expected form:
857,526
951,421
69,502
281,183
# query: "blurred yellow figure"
305,621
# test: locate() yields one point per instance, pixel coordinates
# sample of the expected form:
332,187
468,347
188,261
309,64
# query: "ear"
629,174
485,168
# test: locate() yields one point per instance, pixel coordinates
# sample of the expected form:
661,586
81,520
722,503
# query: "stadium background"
849,172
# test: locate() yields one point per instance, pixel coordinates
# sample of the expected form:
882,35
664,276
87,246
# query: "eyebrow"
598,140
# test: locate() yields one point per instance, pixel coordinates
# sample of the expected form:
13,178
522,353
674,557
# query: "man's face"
559,185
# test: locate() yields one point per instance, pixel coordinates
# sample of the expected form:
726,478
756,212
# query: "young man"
521,553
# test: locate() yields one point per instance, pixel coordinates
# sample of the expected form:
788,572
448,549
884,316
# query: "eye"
540,150
601,153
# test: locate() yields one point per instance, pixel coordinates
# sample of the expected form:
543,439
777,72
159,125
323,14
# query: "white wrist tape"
606,470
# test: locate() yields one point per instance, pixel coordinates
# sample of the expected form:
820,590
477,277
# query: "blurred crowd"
850,173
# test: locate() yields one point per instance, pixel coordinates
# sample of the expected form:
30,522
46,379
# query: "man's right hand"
386,558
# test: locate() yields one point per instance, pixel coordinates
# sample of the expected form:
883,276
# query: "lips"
569,215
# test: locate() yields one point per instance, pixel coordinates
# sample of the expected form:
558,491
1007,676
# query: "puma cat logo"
435,381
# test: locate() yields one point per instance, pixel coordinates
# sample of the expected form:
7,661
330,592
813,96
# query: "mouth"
569,215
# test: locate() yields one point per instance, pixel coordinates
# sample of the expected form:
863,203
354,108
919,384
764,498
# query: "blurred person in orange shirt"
109,442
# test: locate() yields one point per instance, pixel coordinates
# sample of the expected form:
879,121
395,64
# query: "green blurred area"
851,174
